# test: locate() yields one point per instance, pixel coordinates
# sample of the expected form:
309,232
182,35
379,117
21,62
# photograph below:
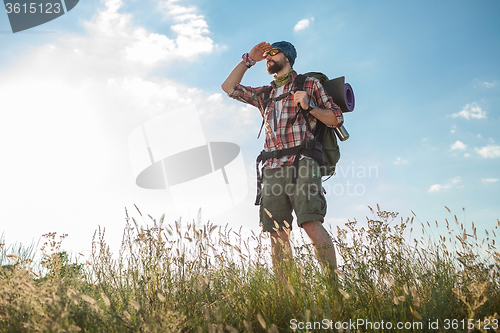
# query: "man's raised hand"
257,52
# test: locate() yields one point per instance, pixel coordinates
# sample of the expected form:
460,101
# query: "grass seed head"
13,257
161,297
261,320
135,305
105,299
88,299
345,294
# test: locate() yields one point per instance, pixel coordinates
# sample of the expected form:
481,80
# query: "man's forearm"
326,116
234,77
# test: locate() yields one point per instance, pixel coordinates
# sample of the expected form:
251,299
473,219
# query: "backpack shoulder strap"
299,82
267,98
299,86
267,92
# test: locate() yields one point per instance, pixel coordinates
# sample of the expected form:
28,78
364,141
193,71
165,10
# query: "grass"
174,278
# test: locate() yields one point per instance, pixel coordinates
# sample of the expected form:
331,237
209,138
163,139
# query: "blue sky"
425,74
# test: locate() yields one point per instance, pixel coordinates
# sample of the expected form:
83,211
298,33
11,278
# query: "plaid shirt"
287,135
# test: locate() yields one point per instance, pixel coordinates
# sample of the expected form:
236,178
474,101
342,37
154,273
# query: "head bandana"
288,49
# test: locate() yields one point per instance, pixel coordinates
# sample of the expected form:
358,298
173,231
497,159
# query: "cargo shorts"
280,197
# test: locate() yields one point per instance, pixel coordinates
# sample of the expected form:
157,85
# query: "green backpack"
342,95
322,133
327,152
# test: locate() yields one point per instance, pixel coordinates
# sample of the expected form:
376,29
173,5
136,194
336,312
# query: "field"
191,278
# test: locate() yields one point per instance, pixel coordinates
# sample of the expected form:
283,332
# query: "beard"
275,66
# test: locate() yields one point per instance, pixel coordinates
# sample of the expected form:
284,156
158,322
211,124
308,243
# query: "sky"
423,134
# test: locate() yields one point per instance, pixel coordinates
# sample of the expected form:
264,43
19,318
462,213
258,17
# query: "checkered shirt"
287,135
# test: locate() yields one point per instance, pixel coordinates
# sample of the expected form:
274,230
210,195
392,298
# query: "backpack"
343,96
324,147
322,133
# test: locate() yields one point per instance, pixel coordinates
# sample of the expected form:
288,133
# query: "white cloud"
471,111
435,188
489,151
65,147
191,28
490,180
114,32
451,183
149,48
458,145
453,129
170,8
399,161
485,84
303,24
490,84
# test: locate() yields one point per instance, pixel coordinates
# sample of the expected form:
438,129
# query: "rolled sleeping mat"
341,92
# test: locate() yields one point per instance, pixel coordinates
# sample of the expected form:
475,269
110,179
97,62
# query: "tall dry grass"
186,278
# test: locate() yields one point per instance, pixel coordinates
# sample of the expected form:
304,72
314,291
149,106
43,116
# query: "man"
283,190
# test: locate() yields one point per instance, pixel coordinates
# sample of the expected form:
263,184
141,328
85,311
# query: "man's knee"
313,226
316,232
281,235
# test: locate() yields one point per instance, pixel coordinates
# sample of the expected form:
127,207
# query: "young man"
285,128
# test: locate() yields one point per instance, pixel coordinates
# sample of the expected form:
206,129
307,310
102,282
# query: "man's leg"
281,252
275,209
310,207
322,243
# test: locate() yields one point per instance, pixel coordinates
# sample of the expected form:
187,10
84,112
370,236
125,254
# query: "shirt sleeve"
250,95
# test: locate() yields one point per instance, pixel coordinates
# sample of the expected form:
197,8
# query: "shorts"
280,197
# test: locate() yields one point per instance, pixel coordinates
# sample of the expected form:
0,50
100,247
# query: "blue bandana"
288,49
